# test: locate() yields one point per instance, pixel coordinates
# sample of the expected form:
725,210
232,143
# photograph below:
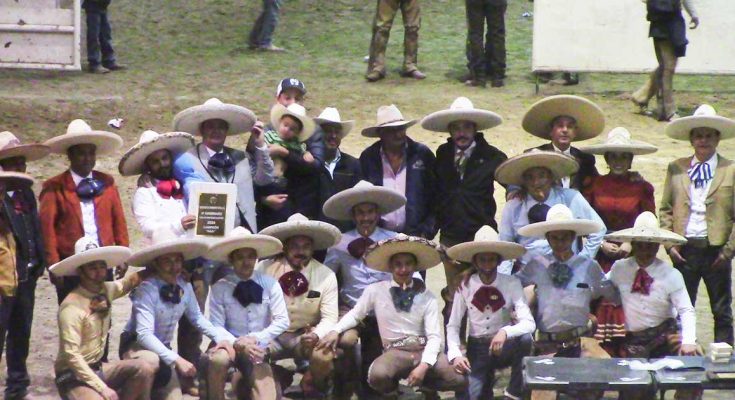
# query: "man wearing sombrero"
408,320
404,165
20,210
212,161
81,202
84,322
310,289
250,306
158,305
654,296
488,299
362,205
697,203
565,119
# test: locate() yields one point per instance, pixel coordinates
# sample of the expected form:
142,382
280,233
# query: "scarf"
488,296
89,188
293,283
561,274
170,188
248,292
357,247
642,282
700,173
403,298
171,293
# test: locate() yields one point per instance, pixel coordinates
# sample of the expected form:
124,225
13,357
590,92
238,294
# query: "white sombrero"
486,241
461,109
297,111
133,161
704,116
10,146
619,140
330,115
588,115
15,180
560,218
323,234
510,172
239,119
378,255
79,132
646,229
241,238
387,116
86,251
340,205
165,242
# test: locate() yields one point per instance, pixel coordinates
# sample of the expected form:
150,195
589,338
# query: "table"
695,376
543,373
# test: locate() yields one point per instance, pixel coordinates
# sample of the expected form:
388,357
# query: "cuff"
429,358
453,353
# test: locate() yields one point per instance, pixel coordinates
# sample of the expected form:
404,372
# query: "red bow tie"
488,296
170,188
642,282
357,247
293,283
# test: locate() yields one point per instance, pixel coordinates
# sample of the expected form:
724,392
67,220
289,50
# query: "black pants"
19,313
718,283
488,59
99,39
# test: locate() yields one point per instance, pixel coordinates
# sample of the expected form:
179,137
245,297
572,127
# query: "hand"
461,365
676,258
249,346
256,135
610,249
688,350
185,368
226,346
275,201
277,150
694,23
308,157
720,262
329,341
416,377
496,345
309,340
109,394
624,250
121,270
188,222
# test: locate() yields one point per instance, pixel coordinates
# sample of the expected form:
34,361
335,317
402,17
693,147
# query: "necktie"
642,282
89,188
403,298
293,283
460,162
561,274
222,162
20,206
170,188
488,297
248,292
700,173
171,293
357,247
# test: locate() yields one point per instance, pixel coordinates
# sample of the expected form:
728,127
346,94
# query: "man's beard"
163,174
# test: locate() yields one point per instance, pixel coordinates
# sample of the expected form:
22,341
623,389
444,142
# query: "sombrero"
560,218
330,115
165,242
588,115
239,119
340,205
86,251
510,172
133,161
323,234
704,116
297,111
378,255
486,241
240,238
619,140
10,146
387,116
461,109
15,180
79,132
646,229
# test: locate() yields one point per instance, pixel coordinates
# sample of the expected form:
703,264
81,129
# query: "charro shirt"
153,212
89,221
697,225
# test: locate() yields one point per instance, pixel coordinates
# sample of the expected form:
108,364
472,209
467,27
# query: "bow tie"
170,188
537,213
700,173
293,283
222,162
561,274
89,188
357,247
403,298
642,282
248,292
488,296
20,206
171,293
99,304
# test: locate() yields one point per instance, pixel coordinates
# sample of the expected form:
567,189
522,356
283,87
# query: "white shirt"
395,220
153,212
487,322
697,225
331,165
667,298
423,320
565,181
89,222
210,151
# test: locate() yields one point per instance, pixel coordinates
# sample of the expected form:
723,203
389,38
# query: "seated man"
310,290
84,323
489,299
158,304
250,306
653,295
408,320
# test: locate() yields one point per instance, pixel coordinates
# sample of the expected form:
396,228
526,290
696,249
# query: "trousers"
250,381
262,32
131,379
660,82
99,39
486,59
385,13
397,363
19,319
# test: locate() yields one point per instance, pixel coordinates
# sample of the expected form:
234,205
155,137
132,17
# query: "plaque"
214,206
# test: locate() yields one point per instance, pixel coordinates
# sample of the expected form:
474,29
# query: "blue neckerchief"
171,293
89,188
248,292
561,274
700,173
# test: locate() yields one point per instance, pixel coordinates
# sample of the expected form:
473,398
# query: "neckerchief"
293,283
171,293
99,304
642,282
89,188
357,247
700,173
170,188
560,273
537,213
488,296
403,298
248,292
222,162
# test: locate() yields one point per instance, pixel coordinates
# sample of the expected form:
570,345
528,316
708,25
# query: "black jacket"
587,169
420,185
347,173
26,232
463,207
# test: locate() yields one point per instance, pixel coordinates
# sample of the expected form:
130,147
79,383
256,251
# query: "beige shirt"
318,306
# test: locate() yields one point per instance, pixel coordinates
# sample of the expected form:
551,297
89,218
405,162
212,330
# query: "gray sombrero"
619,140
486,241
461,109
378,255
511,171
240,238
79,132
323,234
340,205
133,161
588,115
560,218
86,250
704,116
239,119
647,229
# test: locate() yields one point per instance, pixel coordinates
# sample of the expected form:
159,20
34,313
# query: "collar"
393,283
712,161
210,151
566,152
337,157
89,294
78,178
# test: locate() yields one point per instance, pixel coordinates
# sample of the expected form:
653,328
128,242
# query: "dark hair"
298,121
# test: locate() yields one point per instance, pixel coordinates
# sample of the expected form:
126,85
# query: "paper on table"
669,363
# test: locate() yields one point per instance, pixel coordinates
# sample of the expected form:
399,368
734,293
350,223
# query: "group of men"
342,291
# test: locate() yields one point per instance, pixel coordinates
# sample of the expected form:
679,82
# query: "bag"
663,6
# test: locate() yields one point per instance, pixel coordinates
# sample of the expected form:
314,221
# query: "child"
99,38
291,127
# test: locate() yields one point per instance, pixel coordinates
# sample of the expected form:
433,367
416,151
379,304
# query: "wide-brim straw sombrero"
297,111
378,255
239,119
241,238
511,171
589,116
10,147
111,255
388,116
704,116
461,109
560,218
79,132
133,161
324,235
340,205
330,115
165,242
619,141
15,180
486,241
646,229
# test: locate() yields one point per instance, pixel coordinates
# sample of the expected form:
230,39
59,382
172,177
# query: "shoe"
497,83
673,116
116,67
415,74
466,77
476,83
642,107
272,48
97,69
374,76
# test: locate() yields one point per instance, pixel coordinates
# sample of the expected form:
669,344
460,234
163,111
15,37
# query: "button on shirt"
667,297
154,212
264,321
354,273
395,220
154,320
89,221
486,322
697,225
423,320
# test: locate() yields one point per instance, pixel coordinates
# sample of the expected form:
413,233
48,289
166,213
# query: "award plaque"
214,206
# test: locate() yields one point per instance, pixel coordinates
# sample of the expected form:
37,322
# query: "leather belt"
667,326
698,242
407,341
564,336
